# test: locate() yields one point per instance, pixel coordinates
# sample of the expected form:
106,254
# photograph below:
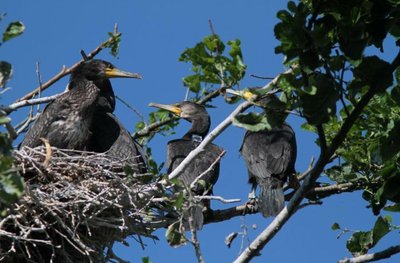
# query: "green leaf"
374,72
360,242
146,260
14,29
11,187
179,201
251,121
173,236
114,43
381,228
335,226
4,119
319,99
392,208
5,72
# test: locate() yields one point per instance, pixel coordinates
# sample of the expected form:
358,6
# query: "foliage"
211,66
11,184
329,45
361,241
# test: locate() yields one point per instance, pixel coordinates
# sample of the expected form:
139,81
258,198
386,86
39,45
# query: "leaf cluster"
211,66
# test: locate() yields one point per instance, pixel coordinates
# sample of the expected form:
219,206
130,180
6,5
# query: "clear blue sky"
154,35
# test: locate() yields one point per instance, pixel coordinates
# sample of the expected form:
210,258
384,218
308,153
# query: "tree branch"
65,71
387,253
24,103
258,244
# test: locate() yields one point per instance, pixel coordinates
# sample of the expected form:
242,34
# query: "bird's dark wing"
269,153
109,135
177,150
53,115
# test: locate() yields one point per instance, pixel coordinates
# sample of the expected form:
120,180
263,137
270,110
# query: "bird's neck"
200,128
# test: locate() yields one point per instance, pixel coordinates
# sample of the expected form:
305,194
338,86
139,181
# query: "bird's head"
186,110
190,111
96,69
258,98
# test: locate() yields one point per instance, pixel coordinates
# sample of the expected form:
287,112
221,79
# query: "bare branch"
24,103
193,184
218,198
65,71
387,253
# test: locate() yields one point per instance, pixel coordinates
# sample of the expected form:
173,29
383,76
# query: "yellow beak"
117,73
172,108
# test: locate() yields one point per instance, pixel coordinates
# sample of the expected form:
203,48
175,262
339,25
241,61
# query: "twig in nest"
48,151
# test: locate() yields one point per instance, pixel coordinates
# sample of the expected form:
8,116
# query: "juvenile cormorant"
270,157
66,122
178,149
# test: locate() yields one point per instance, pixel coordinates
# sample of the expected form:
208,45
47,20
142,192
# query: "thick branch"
258,244
65,71
387,253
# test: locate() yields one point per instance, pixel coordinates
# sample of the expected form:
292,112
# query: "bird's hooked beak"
245,94
117,73
172,108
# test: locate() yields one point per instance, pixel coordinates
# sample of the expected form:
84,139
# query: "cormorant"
66,122
108,133
178,149
270,157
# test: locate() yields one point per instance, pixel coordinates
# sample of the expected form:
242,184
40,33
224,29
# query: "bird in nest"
68,121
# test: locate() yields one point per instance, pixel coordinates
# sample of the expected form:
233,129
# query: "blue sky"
155,33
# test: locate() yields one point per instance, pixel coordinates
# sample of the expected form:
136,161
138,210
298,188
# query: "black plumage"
109,135
270,157
178,149
66,122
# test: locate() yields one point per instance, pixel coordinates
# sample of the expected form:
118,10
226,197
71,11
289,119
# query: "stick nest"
76,204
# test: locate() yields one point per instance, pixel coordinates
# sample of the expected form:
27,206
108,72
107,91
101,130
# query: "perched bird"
66,122
270,157
178,149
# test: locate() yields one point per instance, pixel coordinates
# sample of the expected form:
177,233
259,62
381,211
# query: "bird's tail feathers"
195,213
272,198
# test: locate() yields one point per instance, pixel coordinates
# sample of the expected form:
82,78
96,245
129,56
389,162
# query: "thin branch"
258,244
40,82
193,184
131,108
260,77
24,103
218,198
387,253
65,71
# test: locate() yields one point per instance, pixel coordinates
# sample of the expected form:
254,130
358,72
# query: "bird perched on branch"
177,150
66,122
270,156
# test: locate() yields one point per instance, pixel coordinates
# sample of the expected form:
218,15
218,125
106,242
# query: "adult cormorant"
178,149
108,133
66,122
270,157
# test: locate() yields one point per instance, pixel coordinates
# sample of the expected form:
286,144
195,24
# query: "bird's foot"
251,205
